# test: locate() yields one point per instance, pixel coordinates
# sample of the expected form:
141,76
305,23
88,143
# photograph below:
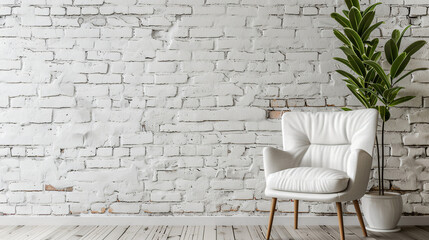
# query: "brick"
60,189
57,102
173,55
10,64
188,208
417,11
418,117
124,208
7,209
102,78
156,208
156,21
116,32
99,55
196,21
25,186
227,184
110,163
22,115
89,11
159,90
36,21
228,114
161,67
82,32
88,2
171,79
416,139
205,32
90,67
54,90
133,139
161,196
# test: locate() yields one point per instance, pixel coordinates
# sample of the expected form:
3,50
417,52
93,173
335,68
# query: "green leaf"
408,73
355,18
373,99
366,22
376,56
401,100
346,109
349,81
379,88
403,65
347,50
368,32
356,4
346,13
370,8
342,37
341,20
384,113
402,35
361,99
391,93
396,35
414,47
370,76
391,51
395,92
344,61
350,76
367,92
357,65
373,46
355,39
377,79
349,4
379,70
396,64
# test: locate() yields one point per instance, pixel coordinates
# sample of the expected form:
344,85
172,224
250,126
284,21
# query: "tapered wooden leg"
270,224
340,220
295,208
359,215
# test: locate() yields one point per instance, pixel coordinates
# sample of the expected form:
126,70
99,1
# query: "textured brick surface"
160,107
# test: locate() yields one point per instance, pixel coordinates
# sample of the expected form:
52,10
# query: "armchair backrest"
326,139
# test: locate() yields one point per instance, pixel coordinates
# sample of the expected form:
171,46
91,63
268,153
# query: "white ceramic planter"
382,212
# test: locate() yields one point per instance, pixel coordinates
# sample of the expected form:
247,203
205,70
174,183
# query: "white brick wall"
160,107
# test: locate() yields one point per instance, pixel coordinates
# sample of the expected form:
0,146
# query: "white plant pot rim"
386,195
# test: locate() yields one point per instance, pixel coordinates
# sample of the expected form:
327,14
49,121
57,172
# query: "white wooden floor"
200,232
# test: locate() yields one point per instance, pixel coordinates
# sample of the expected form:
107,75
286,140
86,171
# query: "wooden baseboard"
190,220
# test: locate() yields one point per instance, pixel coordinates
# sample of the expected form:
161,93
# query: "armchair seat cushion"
308,180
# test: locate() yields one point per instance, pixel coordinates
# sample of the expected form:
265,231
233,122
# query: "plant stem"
378,165
382,158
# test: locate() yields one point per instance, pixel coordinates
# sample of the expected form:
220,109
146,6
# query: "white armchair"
326,157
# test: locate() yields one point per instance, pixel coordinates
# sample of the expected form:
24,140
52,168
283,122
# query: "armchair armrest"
276,160
358,169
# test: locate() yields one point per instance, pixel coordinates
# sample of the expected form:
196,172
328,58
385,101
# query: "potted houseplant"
375,88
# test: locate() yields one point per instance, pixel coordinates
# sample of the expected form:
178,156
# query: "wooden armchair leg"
340,219
270,224
359,215
296,205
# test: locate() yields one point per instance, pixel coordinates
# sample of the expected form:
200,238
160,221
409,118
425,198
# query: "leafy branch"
367,80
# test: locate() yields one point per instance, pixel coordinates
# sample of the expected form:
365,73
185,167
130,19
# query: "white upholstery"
340,141
308,180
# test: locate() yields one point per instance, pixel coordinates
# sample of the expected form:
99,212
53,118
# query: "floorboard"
253,232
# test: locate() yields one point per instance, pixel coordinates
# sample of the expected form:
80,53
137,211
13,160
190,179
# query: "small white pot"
382,212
